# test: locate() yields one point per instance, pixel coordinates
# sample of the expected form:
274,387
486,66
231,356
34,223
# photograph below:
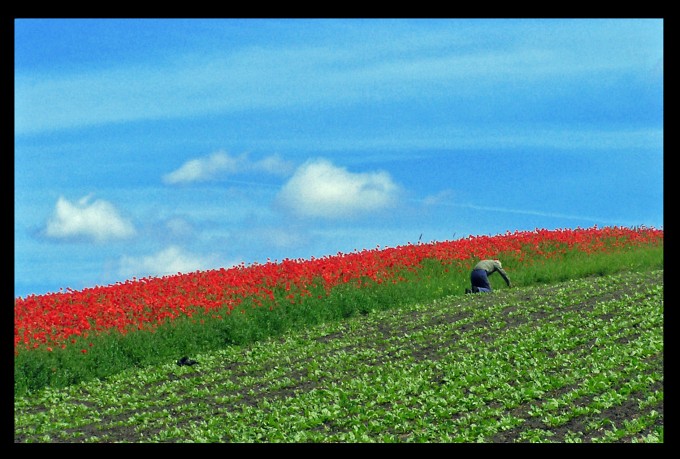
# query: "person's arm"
504,275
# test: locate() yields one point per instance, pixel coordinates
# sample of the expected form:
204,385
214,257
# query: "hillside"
577,361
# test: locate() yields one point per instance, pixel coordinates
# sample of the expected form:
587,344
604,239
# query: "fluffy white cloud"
171,260
320,189
99,221
219,164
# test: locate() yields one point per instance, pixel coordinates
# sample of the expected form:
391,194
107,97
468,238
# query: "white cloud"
203,169
220,164
320,189
171,260
99,221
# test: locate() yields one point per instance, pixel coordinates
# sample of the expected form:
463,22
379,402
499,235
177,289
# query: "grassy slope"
574,361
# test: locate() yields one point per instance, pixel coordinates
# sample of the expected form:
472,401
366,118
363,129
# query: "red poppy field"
54,320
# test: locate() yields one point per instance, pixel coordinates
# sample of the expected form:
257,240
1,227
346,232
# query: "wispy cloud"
538,213
171,260
320,189
443,196
273,164
221,164
284,74
178,227
98,221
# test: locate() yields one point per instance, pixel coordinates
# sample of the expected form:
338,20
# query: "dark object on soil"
186,361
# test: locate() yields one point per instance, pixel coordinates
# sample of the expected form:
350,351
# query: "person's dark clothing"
479,277
479,281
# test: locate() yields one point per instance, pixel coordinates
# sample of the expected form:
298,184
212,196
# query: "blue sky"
148,147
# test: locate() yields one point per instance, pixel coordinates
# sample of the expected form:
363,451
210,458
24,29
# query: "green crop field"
573,361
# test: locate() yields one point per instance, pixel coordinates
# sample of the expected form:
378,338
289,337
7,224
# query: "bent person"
479,277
